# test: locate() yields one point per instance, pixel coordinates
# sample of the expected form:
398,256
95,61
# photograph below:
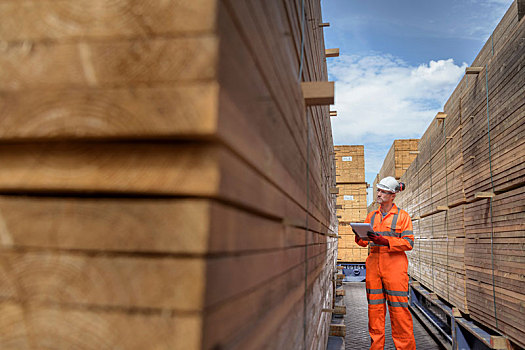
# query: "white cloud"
380,98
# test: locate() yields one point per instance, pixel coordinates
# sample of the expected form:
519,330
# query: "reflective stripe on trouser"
387,283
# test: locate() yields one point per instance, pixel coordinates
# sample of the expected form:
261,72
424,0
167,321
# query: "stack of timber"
398,159
351,199
466,188
163,184
350,164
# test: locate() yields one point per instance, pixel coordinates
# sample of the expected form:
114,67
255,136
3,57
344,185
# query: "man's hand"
377,238
356,238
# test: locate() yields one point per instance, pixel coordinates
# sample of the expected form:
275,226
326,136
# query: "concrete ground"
356,321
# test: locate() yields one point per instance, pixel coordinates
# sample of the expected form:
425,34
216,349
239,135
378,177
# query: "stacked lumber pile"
351,199
466,189
398,159
162,183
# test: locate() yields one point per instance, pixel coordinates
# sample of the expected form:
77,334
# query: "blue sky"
399,62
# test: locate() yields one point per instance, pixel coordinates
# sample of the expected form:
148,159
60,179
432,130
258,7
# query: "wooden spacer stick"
318,92
473,70
484,195
331,52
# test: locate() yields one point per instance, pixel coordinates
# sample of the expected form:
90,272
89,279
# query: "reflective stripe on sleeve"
410,240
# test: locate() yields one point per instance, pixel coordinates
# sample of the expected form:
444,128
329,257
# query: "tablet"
362,230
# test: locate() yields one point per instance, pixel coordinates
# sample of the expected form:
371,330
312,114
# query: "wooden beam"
339,206
340,292
484,195
332,52
340,267
334,190
442,208
441,115
416,218
318,92
473,70
333,113
456,312
324,24
340,310
327,310
413,152
337,330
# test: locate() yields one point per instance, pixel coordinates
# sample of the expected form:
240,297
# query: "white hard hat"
390,184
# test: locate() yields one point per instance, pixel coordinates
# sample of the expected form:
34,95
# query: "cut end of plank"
413,152
340,292
337,330
334,190
473,70
498,342
333,113
331,52
324,24
318,93
441,115
484,195
340,310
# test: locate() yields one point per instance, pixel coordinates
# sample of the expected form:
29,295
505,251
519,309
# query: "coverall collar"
394,210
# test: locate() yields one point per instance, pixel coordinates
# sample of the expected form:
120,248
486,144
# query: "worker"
386,268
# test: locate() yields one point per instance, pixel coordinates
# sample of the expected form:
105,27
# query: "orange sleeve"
406,241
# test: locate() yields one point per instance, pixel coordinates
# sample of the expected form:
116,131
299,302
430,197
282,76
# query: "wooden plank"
141,112
110,64
194,170
104,281
66,20
129,225
332,52
318,92
30,326
474,70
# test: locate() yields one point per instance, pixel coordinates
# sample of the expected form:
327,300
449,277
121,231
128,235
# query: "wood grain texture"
68,20
34,326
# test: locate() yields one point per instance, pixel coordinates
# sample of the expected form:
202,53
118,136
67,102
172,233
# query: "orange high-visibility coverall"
387,279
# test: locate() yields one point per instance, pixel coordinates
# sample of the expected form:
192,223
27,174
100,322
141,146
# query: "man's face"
384,196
